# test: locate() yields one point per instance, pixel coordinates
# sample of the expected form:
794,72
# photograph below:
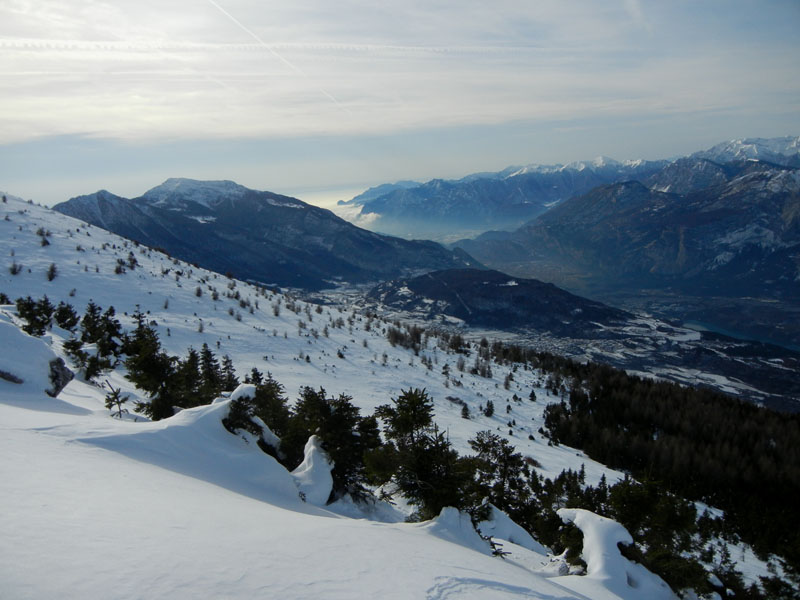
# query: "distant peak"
98,195
207,193
604,161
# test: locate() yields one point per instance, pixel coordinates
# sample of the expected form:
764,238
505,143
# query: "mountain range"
140,522
257,235
730,231
443,209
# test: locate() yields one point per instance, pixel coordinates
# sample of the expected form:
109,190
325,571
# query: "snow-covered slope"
181,508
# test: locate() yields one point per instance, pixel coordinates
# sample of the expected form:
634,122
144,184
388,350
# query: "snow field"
100,507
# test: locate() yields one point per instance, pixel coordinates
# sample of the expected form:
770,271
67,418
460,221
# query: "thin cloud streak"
400,76
154,74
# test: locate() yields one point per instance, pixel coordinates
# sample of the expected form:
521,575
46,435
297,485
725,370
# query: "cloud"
151,70
636,12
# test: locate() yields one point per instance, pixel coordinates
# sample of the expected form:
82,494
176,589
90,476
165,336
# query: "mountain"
781,150
727,238
182,508
493,299
125,507
257,235
441,209
692,174
445,210
377,191
739,237
529,312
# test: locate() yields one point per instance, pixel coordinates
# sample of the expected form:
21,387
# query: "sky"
320,100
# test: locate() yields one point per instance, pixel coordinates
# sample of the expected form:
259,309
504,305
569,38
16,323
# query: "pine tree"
408,417
73,347
428,471
210,375
90,324
500,472
115,399
108,332
345,435
150,369
36,313
229,379
270,404
66,317
255,377
187,380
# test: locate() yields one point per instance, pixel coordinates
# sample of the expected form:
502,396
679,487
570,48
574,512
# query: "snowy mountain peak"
781,150
605,161
177,190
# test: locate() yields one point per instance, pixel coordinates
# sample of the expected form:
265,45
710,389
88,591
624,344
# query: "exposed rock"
60,376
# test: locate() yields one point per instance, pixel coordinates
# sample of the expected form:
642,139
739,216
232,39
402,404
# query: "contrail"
276,54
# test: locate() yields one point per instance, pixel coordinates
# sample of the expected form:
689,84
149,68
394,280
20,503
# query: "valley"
498,358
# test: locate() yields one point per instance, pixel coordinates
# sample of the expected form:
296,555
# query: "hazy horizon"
320,101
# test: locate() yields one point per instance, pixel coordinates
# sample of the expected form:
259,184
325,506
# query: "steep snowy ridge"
180,507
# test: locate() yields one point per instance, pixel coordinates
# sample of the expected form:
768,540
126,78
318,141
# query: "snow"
33,371
313,475
206,193
752,148
195,443
500,526
285,203
129,510
455,526
605,565
181,507
244,390
204,219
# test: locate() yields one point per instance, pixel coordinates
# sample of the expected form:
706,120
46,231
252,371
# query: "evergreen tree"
73,347
255,377
115,399
108,332
229,379
90,324
345,435
66,317
151,369
408,417
270,404
187,380
36,313
428,471
500,473
210,375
